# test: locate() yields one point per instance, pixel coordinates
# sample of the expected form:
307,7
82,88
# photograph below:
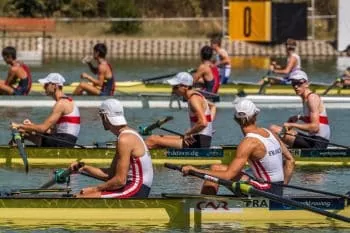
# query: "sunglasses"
178,86
298,83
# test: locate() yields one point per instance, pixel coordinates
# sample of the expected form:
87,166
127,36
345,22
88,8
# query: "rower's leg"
90,89
211,188
288,138
164,141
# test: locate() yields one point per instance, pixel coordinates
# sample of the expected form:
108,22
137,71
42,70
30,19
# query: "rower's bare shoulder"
249,142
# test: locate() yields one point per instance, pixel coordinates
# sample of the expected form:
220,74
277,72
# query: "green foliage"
123,9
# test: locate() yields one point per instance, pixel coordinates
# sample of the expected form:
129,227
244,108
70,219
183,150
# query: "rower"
267,156
61,128
130,173
19,77
344,81
207,74
104,84
201,113
315,130
223,61
293,64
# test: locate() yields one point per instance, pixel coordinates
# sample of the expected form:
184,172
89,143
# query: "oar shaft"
316,140
59,140
171,131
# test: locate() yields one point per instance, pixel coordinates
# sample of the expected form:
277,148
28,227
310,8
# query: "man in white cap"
61,128
130,173
201,113
267,156
314,125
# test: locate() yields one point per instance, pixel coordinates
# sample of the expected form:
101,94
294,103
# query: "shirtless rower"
130,173
314,125
19,77
104,84
267,156
223,61
61,128
201,112
293,64
207,74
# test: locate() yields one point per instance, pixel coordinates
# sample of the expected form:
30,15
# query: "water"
227,132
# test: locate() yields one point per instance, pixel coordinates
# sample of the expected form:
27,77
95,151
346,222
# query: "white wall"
343,24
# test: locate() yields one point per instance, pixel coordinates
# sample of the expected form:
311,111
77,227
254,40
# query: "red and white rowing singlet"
70,123
270,167
140,173
193,118
324,129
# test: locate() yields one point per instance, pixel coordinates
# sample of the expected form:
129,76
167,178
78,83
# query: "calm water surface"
227,132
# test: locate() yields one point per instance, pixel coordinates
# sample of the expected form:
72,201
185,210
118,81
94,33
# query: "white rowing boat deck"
165,101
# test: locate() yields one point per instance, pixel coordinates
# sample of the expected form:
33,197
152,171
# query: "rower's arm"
57,112
244,150
198,74
225,58
95,172
292,62
100,76
212,108
93,68
119,178
288,160
11,75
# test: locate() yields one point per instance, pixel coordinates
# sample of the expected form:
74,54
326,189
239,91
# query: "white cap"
298,75
55,78
245,108
183,78
114,111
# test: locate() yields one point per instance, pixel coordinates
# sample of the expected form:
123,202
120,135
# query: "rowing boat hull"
233,88
60,157
174,211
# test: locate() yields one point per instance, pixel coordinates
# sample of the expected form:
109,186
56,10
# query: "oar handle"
148,129
173,166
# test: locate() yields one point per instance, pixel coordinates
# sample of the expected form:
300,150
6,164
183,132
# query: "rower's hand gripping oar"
266,81
60,176
18,139
248,189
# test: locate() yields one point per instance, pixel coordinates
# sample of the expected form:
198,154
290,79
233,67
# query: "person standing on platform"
223,60
104,85
19,77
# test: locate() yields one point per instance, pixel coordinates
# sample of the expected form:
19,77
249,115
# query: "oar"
58,139
171,131
31,191
248,189
18,139
313,139
145,80
148,129
266,80
337,80
296,187
60,176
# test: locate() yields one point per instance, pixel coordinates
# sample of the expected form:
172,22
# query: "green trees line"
129,8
